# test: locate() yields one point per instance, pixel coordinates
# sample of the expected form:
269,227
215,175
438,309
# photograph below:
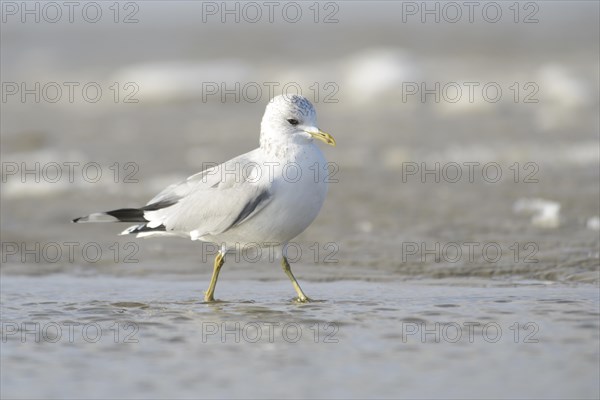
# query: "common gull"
267,196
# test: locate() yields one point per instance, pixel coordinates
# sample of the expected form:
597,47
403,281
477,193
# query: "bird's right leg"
209,295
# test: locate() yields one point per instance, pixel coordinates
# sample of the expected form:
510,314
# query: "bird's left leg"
302,298
209,295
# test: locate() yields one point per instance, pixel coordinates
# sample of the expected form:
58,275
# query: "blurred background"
457,125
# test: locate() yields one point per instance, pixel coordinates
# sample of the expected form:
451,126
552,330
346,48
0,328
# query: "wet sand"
154,338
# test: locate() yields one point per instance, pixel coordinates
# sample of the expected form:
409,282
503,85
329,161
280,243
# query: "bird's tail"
124,215
120,215
131,215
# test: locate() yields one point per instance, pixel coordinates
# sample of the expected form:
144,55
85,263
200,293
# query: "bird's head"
291,119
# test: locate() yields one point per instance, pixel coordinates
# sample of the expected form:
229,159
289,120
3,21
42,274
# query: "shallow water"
376,339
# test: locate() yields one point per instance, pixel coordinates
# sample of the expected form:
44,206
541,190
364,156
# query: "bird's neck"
280,147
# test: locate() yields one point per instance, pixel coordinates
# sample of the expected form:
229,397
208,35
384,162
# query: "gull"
267,196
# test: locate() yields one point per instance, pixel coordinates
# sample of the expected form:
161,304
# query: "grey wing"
223,175
209,202
202,180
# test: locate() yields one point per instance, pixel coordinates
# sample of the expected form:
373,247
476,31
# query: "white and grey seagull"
267,196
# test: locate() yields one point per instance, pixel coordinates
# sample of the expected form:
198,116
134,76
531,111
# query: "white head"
291,119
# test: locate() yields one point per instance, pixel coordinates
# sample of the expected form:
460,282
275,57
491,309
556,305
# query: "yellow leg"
288,271
209,295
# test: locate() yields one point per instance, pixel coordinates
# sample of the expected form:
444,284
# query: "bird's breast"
298,188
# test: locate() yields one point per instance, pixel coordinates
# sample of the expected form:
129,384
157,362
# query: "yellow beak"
326,137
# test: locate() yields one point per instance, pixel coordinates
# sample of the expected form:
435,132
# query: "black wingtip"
73,221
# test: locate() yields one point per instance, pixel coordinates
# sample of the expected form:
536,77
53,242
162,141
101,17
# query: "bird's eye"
293,121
